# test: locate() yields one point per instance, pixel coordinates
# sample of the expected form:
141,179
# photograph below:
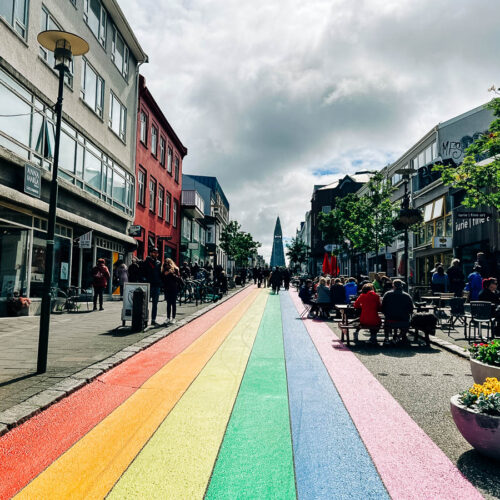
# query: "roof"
150,100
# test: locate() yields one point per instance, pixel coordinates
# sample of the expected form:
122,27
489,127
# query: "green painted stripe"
256,459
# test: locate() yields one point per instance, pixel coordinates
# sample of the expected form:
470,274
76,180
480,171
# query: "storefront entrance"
14,247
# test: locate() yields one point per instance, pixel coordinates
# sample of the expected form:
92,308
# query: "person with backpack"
100,278
172,282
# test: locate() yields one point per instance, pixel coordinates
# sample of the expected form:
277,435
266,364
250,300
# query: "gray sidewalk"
77,341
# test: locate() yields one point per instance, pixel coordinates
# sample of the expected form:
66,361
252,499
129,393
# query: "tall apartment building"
97,149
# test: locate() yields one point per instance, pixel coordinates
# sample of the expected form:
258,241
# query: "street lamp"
65,46
407,217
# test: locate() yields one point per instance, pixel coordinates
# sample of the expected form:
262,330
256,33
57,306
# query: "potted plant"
17,304
485,360
476,413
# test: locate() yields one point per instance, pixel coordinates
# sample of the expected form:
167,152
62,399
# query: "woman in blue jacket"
351,288
475,284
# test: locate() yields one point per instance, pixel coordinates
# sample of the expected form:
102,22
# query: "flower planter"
481,371
482,431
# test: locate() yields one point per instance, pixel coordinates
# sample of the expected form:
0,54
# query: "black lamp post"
407,217
65,46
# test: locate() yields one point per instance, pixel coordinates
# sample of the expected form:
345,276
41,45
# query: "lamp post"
64,45
407,217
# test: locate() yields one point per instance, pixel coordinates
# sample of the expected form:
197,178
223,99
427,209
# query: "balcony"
192,204
220,212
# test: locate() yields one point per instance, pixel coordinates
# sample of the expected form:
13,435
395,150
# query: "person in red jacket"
370,304
100,277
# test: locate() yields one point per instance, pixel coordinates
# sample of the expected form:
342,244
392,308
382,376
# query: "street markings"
178,460
255,459
331,461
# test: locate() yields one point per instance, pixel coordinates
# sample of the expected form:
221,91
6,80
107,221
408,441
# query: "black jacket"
152,272
337,294
397,306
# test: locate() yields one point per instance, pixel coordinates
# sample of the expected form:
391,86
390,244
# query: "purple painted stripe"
410,464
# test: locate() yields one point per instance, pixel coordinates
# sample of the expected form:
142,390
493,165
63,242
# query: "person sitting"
370,304
397,307
306,293
323,298
386,284
439,282
475,283
337,294
489,293
351,289
377,283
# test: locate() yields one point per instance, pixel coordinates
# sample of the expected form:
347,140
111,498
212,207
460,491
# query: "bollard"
138,310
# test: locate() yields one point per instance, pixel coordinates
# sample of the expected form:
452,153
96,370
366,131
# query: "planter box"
481,371
480,430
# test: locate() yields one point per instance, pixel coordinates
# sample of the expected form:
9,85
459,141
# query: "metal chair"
457,313
480,315
306,310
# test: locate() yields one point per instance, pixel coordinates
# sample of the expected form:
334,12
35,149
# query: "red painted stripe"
28,449
410,464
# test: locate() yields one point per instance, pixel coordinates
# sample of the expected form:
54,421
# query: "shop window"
439,228
449,226
13,259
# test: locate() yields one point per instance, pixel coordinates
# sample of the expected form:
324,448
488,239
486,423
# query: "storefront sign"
193,246
472,215
135,231
32,180
442,242
85,240
472,230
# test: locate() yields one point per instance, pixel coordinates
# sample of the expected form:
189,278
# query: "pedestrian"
275,280
475,283
397,306
259,277
135,271
254,275
221,282
153,276
483,263
185,271
286,279
439,281
370,305
121,274
100,278
265,274
377,283
243,275
456,278
386,284
172,282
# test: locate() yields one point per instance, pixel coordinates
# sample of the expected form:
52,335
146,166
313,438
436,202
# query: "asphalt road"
423,380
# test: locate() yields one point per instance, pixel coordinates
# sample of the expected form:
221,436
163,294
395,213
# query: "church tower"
278,255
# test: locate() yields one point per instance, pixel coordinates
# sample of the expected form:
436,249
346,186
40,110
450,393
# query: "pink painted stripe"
410,464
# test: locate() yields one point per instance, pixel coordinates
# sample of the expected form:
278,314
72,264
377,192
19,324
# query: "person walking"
172,281
475,283
265,274
152,275
100,278
135,271
243,275
286,279
275,280
439,281
456,278
122,275
370,304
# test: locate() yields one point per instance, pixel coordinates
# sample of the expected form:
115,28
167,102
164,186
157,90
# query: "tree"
479,173
297,251
238,245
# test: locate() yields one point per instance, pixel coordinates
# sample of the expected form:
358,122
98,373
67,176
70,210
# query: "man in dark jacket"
397,307
135,271
456,278
152,274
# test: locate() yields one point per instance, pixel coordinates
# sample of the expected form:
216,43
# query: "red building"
159,176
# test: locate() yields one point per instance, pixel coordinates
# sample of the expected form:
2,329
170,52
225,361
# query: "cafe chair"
457,313
307,309
480,314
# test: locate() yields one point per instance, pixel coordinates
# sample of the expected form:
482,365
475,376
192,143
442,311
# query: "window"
162,151
144,128
152,195
169,161
154,140
186,228
167,207
119,193
117,117
176,169
95,16
119,53
15,13
174,215
48,23
141,181
92,91
161,195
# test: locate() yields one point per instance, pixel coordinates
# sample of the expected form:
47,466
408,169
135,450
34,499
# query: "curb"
34,405
448,346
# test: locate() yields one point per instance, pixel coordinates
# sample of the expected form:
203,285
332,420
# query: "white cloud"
267,95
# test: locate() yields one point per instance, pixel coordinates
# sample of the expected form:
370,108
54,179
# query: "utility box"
128,301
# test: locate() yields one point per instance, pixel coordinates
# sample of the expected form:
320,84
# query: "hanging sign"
32,180
85,240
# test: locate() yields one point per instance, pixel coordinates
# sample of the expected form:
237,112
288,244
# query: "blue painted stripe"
330,458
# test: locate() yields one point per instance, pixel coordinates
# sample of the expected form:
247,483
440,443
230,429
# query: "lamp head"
64,45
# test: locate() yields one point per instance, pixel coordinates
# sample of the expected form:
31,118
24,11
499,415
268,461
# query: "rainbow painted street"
246,401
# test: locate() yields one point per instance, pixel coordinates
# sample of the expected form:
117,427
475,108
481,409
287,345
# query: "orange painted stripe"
92,466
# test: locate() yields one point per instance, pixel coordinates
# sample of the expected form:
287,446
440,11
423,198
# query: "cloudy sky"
274,96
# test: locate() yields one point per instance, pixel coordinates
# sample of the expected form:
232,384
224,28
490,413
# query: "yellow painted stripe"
179,458
93,465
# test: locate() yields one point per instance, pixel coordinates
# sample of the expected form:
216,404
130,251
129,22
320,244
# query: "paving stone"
45,398
88,374
3,429
17,414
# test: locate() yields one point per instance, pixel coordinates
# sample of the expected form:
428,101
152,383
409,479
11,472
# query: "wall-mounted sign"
193,246
85,240
135,231
32,180
442,242
388,256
